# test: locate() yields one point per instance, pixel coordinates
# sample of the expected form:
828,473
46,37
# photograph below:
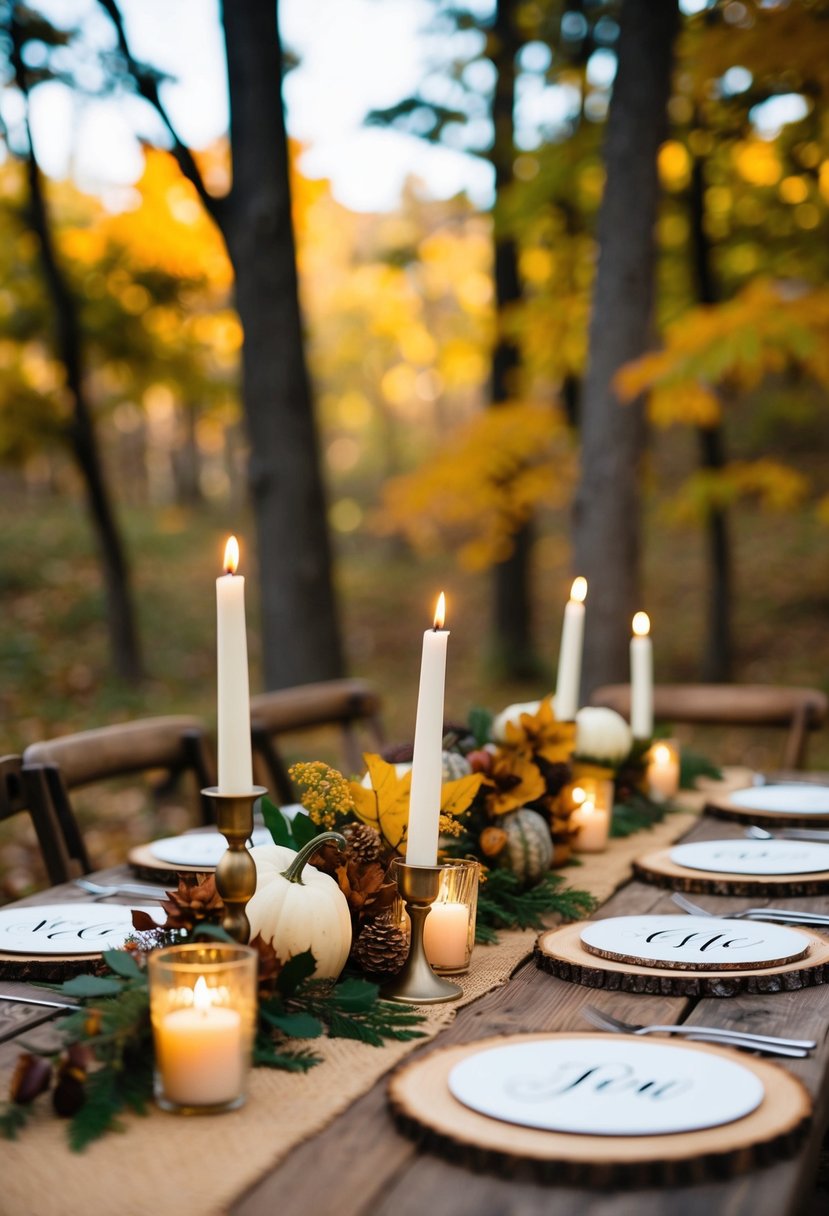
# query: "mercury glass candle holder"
203,1013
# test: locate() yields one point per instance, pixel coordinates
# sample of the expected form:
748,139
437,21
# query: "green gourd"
455,766
529,848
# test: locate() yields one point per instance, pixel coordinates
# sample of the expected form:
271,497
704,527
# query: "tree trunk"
300,633
607,510
513,650
81,430
717,659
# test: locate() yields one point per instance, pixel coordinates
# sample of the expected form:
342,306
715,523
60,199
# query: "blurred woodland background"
618,367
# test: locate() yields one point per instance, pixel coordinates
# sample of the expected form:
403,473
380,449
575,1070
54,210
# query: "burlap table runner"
165,1165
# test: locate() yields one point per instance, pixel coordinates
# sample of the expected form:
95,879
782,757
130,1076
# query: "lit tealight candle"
641,678
446,933
663,771
568,678
199,1052
234,744
591,817
427,757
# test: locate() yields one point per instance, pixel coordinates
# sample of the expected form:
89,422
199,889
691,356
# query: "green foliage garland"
112,1029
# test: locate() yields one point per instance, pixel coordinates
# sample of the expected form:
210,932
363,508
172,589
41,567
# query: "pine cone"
364,841
195,900
382,946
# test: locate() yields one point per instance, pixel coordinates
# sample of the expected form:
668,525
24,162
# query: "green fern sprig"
504,903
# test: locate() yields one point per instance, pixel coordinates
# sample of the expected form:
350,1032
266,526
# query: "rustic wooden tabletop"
361,1165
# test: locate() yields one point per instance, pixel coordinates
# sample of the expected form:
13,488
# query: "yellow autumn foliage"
774,486
765,329
487,480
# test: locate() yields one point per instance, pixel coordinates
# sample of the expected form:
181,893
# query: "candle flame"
661,753
578,795
641,624
440,611
231,555
201,995
578,591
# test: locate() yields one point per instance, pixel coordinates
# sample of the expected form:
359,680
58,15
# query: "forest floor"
56,676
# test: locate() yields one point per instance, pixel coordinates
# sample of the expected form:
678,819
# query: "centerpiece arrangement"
275,946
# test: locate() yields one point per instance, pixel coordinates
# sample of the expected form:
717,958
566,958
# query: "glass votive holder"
203,1013
592,802
662,773
449,929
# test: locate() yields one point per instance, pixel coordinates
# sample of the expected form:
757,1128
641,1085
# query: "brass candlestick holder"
236,871
417,983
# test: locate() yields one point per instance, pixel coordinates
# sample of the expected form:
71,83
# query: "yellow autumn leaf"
385,805
457,796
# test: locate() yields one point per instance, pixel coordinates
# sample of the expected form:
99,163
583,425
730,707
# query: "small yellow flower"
323,791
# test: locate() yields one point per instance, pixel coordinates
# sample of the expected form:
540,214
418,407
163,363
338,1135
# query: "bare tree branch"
147,87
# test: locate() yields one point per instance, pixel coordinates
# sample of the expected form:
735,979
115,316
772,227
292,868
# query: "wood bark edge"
560,953
657,869
424,1110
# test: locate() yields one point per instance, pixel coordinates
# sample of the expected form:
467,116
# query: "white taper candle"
566,700
641,678
427,760
234,746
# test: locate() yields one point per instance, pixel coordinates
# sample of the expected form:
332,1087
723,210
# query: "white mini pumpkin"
512,714
296,907
602,734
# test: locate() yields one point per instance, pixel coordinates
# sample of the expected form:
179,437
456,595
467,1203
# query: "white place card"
73,928
694,943
784,799
752,856
605,1086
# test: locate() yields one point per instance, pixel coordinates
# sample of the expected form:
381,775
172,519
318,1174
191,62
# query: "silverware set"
107,890
768,1044
816,835
785,916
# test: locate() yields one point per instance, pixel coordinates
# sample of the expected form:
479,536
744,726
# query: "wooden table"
362,1166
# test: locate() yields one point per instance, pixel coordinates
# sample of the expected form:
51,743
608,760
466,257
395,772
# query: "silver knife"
35,1000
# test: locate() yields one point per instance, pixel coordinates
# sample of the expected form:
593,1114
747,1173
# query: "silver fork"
816,835
791,916
101,891
771,1044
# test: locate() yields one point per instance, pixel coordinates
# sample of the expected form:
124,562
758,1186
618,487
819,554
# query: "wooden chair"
795,710
172,745
22,791
345,704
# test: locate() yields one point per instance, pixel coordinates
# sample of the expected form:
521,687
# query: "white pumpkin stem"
294,870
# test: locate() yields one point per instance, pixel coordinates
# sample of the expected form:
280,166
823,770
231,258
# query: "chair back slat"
796,710
346,704
126,747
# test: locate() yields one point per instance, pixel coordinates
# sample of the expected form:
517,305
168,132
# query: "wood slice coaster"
561,952
49,969
144,864
723,808
424,1108
657,868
